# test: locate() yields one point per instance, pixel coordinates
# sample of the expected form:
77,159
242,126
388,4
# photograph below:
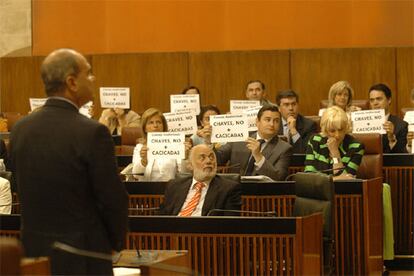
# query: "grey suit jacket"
223,193
277,154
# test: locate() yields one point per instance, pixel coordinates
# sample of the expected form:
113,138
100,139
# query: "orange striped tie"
192,204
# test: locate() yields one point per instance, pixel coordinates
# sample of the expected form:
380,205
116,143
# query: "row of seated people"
272,158
296,127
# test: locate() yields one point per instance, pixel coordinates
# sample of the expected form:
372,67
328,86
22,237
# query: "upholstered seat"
363,104
371,164
314,194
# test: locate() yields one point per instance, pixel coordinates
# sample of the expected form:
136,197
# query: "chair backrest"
363,104
10,255
12,118
317,120
315,193
371,164
130,135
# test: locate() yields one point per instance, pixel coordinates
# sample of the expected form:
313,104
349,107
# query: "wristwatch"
336,160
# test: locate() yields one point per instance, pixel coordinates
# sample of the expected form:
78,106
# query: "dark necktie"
250,165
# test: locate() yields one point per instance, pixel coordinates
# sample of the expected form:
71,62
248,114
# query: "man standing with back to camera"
66,173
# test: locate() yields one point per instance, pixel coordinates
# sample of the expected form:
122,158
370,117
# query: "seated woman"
155,169
341,94
117,118
204,123
334,150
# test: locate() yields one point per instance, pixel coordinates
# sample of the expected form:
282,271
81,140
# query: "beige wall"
15,27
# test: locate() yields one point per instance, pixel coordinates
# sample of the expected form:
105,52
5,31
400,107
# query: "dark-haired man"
395,140
263,153
295,127
255,91
66,173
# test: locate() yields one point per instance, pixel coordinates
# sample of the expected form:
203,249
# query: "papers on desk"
124,271
256,178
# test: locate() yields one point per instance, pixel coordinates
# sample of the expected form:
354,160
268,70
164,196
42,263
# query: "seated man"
255,91
263,153
395,140
295,127
204,191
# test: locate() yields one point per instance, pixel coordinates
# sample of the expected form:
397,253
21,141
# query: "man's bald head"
56,67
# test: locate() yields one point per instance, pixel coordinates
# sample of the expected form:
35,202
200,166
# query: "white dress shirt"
5,196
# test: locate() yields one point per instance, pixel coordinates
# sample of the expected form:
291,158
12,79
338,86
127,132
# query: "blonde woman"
334,149
341,94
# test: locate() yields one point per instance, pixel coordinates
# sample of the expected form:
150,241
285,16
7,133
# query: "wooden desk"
358,216
236,245
398,172
156,262
226,245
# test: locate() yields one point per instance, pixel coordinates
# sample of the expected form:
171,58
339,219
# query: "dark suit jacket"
223,193
400,131
66,173
277,154
306,128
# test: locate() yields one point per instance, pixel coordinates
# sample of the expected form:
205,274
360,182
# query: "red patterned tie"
192,204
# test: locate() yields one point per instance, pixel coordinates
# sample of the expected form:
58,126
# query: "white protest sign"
229,128
321,111
368,121
184,122
36,102
409,117
166,145
251,114
411,128
185,103
237,106
84,110
112,97
412,146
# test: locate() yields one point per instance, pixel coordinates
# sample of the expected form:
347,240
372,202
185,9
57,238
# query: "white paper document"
229,128
114,97
167,145
183,103
251,114
36,102
237,106
368,121
183,122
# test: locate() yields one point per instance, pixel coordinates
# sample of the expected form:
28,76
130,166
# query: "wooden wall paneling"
222,76
313,71
152,77
20,80
405,76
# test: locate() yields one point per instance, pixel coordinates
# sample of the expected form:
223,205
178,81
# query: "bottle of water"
2,166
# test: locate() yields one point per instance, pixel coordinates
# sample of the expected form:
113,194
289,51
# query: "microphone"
322,171
269,213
